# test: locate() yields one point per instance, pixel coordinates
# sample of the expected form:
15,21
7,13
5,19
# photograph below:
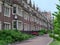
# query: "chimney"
33,5
30,3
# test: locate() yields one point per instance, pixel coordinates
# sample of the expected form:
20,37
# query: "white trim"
12,24
1,2
17,24
21,27
6,5
19,21
14,5
20,10
6,22
1,6
9,24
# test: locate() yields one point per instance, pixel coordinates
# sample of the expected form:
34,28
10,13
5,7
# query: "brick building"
22,15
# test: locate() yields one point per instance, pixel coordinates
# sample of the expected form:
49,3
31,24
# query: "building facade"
22,15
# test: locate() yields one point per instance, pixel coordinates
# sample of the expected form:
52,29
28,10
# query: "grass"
55,43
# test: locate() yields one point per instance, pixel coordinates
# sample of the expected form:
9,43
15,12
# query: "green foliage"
56,24
55,43
42,32
2,42
11,36
49,31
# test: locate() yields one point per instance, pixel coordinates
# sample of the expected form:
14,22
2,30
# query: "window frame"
19,8
6,6
5,25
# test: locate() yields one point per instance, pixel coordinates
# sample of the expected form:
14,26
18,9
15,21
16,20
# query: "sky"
46,5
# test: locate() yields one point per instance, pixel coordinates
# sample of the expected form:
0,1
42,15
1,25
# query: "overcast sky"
48,5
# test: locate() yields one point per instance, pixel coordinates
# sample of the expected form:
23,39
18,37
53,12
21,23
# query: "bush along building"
23,15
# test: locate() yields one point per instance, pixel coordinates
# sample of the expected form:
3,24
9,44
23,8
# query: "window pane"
6,11
6,26
19,11
14,24
14,9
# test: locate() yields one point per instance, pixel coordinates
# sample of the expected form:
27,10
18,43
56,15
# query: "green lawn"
55,43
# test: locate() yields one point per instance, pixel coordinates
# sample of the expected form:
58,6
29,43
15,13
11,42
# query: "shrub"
55,36
2,42
42,32
11,36
49,31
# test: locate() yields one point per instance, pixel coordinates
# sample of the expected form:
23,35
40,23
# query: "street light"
16,21
16,17
3,14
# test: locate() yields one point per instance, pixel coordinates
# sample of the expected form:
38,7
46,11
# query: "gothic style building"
23,15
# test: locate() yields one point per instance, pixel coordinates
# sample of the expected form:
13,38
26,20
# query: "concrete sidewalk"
40,40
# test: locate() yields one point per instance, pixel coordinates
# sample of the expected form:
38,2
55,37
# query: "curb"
50,42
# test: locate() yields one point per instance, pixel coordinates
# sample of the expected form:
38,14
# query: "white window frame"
12,24
15,5
21,24
20,14
25,27
1,6
7,6
25,15
17,24
8,24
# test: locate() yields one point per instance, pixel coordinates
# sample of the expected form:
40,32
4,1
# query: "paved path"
40,40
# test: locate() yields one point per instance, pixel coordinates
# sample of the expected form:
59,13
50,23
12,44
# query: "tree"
56,31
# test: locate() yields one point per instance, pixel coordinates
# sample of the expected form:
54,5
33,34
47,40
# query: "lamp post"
16,21
3,14
23,19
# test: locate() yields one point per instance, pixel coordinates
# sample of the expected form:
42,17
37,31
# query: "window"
28,17
25,26
25,15
6,26
0,7
14,24
32,18
14,9
19,11
7,11
20,26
